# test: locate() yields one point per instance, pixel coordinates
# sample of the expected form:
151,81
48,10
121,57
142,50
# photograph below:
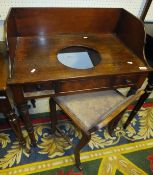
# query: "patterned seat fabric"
92,107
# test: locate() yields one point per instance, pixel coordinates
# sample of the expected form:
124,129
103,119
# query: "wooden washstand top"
36,35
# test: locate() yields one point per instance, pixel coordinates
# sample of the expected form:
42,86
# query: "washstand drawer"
38,87
39,90
97,83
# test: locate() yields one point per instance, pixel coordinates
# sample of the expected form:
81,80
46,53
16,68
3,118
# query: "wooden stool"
91,111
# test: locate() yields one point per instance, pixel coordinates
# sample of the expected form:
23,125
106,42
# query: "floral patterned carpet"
128,151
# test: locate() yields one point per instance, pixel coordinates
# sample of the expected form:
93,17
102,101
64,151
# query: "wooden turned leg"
84,140
14,122
52,105
23,110
9,113
140,102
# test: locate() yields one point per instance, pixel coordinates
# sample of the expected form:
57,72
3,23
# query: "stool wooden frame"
86,133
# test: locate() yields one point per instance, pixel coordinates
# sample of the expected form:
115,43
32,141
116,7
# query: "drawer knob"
128,81
38,87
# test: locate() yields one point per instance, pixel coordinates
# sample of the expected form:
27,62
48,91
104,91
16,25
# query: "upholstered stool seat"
92,110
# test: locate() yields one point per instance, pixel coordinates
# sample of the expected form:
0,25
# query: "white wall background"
1,30
149,20
149,16
133,6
